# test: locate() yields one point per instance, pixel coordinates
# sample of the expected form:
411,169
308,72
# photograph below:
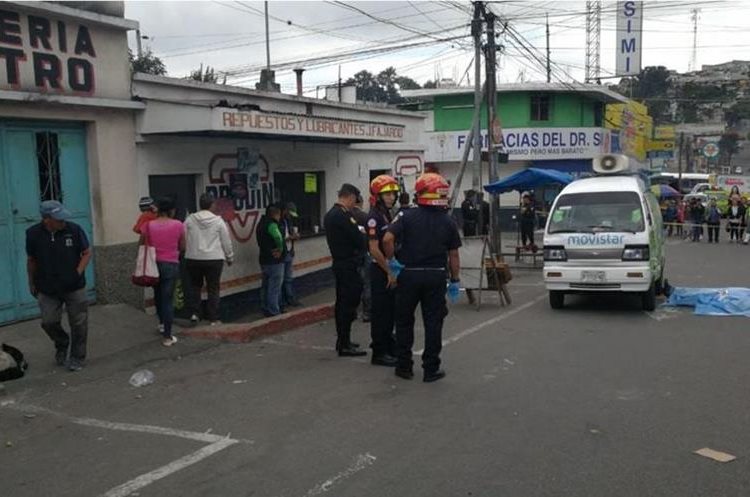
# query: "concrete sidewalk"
124,338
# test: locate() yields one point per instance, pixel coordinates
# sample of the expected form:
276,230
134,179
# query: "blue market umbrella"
665,191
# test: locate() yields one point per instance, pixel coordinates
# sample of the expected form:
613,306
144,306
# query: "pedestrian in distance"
527,215
428,238
697,215
713,221
167,236
271,258
58,253
681,209
470,213
735,217
208,248
364,268
347,245
383,191
670,216
290,232
148,213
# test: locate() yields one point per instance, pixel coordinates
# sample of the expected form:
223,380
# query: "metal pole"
679,162
476,170
268,42
492,124
549,70
138,43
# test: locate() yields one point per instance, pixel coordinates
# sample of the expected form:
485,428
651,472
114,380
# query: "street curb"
246,332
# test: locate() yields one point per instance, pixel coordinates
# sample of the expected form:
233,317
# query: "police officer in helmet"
429,238
383,192
347,245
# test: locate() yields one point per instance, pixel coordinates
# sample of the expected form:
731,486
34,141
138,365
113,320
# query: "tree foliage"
729,145
147,63
206,76
384,87
653,86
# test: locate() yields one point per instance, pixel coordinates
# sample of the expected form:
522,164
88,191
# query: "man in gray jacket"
208,246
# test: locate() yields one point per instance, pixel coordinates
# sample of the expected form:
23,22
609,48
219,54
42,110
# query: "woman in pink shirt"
167,236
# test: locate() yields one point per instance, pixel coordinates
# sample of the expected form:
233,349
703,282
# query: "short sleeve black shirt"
426,234
57,256
377,224
345,240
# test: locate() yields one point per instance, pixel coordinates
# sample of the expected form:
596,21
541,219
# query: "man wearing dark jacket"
58,252
271,258
347,245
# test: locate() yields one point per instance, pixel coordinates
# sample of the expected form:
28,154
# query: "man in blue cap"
58,252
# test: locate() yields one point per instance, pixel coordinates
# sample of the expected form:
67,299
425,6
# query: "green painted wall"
454,112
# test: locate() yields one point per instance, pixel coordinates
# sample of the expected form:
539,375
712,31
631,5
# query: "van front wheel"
649,298
556,299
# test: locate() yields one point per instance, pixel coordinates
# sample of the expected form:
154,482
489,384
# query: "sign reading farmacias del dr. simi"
296,125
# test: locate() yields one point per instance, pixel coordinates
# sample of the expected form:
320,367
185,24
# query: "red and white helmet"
432,189
382,184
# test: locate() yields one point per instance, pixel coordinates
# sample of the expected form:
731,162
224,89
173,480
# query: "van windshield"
596,212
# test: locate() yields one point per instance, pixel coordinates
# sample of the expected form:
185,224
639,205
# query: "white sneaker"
160,329
194,319
168,342
216,323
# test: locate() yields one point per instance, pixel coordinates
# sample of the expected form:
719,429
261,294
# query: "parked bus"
689,180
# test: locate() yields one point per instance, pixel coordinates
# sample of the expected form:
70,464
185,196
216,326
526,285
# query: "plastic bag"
142,378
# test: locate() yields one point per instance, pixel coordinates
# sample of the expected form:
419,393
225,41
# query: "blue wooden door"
36,163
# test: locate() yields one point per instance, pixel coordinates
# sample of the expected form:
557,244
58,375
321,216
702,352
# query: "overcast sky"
229,35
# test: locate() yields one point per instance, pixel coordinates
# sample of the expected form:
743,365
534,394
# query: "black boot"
384,360
350,351
433,376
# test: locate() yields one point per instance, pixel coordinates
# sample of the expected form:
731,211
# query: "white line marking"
489,322
360,463
148,478
108,425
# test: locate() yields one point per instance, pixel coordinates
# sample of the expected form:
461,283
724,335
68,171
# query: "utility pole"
138,43
493,128
593,40
268,41
694,53
549,70
679,162
476,176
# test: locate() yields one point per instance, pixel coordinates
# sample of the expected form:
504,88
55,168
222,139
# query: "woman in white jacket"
208,246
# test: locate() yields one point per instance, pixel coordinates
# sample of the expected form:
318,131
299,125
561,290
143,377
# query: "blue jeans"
164,294
288,292
270,290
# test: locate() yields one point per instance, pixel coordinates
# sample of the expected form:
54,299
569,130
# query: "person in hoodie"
208,247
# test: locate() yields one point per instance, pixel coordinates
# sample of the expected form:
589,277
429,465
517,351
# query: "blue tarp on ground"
528,179
713,301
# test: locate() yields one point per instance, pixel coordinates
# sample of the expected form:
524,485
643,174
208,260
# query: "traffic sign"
711,150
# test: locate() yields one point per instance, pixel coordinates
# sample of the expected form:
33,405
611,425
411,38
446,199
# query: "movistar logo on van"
596,240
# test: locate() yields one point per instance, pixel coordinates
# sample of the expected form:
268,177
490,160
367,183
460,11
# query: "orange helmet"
383,184
432,189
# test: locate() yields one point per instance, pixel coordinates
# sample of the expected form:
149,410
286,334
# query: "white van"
605,234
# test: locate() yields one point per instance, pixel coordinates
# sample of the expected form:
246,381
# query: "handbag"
146,271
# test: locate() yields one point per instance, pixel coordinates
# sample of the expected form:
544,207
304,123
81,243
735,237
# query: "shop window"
305,189
48,164
540,107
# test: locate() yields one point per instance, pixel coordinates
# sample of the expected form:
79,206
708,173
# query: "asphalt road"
598,399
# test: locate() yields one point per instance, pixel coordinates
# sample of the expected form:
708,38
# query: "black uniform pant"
470,228
382,317
426,288
713,232
348,295
527,234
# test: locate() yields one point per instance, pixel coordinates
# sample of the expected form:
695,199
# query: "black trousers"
348,295
426,288
527,234
713,232
382,317
470,228
210,271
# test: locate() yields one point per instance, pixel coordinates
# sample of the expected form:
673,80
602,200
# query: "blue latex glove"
395,267
453,291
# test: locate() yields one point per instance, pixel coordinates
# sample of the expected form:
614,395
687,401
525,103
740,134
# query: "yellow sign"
311,183
664,133
634,125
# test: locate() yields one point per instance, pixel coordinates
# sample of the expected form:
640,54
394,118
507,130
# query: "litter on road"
733,301
715,455
142,378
